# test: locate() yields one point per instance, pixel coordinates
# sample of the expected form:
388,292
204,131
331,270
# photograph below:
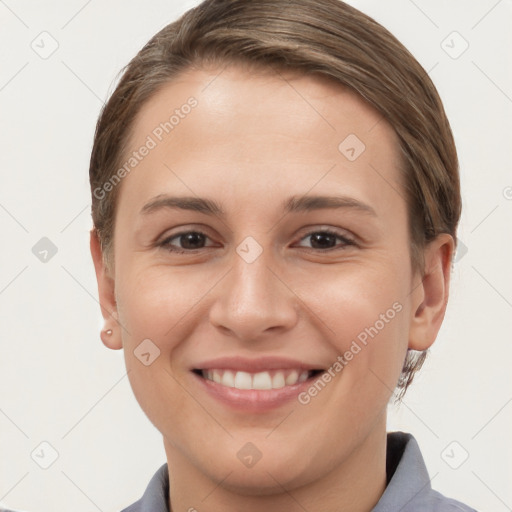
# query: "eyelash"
346,241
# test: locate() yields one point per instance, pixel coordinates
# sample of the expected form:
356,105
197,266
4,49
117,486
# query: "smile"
265,380
254,385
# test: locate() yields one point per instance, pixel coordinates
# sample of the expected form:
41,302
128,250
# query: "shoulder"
4,508
440,503
409,488
156,495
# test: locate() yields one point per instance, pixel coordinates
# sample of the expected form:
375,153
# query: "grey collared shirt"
408,488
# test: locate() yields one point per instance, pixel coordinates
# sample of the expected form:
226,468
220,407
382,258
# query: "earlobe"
111,334
430,294
110,340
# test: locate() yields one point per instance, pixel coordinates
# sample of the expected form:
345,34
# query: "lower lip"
254,399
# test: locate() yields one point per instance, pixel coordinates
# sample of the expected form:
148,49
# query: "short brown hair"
323,37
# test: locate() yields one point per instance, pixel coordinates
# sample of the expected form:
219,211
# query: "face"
264,326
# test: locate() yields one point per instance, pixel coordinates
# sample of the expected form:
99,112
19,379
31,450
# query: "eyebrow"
294,204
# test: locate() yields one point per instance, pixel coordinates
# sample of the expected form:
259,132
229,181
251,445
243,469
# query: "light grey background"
61,386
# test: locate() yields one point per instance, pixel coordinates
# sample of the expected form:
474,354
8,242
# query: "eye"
325,239
189,240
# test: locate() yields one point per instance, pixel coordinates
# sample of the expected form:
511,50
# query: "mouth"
262,381
254,384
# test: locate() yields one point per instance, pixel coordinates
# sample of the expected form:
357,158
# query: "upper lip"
259,364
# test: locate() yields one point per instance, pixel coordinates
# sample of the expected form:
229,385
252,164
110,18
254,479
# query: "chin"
266,481
267,476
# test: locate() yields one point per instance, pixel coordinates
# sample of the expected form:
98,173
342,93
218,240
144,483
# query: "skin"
255,139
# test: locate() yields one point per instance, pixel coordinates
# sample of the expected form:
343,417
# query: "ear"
106,295
430,293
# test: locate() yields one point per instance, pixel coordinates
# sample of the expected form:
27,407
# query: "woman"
275,200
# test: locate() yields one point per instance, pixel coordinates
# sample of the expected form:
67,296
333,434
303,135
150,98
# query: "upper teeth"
261,380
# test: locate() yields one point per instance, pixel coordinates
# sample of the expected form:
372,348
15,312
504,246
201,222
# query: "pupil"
189,239
318,237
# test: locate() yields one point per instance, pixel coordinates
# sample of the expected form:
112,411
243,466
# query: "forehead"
247,129
250,92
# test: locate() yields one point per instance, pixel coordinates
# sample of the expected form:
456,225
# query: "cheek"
157,307
156,303
363,314
161,396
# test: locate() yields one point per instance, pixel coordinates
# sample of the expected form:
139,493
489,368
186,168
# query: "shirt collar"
408,480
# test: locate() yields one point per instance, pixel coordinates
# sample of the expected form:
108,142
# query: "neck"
354,484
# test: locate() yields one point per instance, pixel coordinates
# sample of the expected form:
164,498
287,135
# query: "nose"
253,301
